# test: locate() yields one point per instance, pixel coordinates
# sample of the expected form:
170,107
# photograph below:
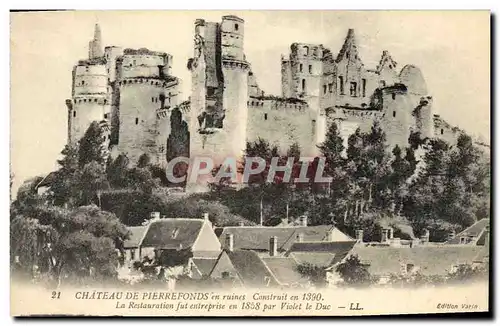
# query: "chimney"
205,216
385,233
155,215
304,220
300,237
451,235
359,236
273,246
229,242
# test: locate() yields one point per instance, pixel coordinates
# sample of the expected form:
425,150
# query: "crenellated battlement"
163,82
91,99
235,64
275,103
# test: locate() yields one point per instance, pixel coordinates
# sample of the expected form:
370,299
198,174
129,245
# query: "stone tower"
146,93
219,110
90,99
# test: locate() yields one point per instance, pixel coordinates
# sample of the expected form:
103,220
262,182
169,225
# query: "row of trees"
427,185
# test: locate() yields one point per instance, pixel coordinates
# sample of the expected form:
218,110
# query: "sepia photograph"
249,163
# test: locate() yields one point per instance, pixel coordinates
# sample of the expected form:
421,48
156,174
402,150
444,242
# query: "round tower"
235,75
232,34
89,101
145,101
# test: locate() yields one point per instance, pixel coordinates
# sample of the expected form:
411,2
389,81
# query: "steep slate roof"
172,233
251,269
284,270
136,235
204,265
257,237
475,230
322,254
432,260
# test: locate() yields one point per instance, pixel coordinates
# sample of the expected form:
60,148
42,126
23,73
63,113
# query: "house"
176,234
256,238
202,267
426,260
132,244
475,235
321,253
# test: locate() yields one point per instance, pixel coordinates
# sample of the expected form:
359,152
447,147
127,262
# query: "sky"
451,48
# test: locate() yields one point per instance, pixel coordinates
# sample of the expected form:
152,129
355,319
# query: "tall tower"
95,45
90,98
219,96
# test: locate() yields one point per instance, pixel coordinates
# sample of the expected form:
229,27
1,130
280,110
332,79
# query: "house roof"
321,253
432,260
321,259
172,233
204,265
251,268
285,270
475,230
136,235
47,180
257,237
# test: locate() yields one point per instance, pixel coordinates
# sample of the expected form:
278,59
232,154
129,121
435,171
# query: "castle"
134,96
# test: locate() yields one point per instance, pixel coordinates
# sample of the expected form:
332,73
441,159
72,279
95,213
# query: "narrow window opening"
310,69
330,87
236,27
393,96
105,115
353,89
136,121
394,114
265,116
74,114
132,254
152,100
324,89
304,85
301,67
363,84
442,131
341,85
83,82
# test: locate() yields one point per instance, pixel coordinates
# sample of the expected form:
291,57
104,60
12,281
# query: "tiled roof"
172,233
136,235
205,265
257,237
432,260
251,269
321,253
285,270
321,259
475,230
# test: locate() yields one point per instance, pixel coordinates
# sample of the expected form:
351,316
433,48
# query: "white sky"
451,48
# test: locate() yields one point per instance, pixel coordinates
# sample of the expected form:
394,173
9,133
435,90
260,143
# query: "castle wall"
111,53
286,77
445,131
281,124
397,116
144,63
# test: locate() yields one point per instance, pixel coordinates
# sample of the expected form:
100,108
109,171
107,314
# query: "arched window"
306,49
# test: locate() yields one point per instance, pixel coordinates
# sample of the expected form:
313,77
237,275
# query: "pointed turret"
349,49
95,45
386,61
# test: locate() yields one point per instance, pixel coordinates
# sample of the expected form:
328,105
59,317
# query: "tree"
92,146
68,244
64,187
353,272
92,181
315,274
117,172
